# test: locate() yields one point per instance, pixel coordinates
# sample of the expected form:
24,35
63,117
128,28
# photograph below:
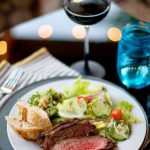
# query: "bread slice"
23,110
38,117
33,121
34,115
24,129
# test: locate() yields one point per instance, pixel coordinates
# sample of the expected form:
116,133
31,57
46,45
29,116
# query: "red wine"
86,12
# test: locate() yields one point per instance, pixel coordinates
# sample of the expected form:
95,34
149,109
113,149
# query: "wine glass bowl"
87,12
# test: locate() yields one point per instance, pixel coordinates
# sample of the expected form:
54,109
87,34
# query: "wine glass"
87,12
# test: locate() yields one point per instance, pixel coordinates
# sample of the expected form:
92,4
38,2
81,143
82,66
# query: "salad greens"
127,112
72,108
126,106
85,101
81,88
46,100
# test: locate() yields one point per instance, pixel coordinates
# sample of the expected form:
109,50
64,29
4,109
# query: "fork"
11,82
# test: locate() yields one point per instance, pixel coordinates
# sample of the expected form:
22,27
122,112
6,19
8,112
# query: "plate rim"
50,80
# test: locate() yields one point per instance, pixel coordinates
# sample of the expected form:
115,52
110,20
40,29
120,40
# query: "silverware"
11,82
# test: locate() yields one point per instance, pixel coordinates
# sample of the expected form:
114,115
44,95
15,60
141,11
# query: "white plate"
139,131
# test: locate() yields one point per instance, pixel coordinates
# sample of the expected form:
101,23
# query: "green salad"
88,102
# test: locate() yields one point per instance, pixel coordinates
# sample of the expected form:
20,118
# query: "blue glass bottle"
133,58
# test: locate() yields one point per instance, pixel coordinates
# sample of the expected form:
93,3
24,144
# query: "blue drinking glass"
133,58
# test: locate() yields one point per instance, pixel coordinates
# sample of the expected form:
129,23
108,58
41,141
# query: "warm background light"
114,34
79,32
45,31
77,1
3,47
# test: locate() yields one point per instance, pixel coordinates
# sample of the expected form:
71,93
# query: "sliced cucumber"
100,109
109,137
115,135
119,131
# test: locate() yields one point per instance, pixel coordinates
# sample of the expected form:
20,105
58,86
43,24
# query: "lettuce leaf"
130,118
81,87
127,112
72,108
126,106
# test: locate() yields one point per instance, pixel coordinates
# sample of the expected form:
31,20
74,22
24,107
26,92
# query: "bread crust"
34,115
24,129
33,121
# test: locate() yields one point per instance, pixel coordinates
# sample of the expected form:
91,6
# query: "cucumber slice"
119,133
109,137
100,109
115,135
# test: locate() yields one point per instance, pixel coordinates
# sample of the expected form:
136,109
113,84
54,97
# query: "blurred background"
19,38
25,26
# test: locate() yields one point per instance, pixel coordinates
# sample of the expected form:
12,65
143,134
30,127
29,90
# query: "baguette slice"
24,129
34,115
23,108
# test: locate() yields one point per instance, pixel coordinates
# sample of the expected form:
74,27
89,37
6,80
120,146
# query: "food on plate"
34,115
46,100
65,130
74,134
31,122
86,143
119,130
23,110
23,128
82,114
116,114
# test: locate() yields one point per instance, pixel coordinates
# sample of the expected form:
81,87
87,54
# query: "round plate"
139,130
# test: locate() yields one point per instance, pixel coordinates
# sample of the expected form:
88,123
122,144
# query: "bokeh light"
77,1
3,47
45,31
114,34
79,32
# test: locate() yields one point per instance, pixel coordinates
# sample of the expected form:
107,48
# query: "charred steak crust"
65,130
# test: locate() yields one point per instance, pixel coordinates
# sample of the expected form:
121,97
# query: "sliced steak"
65,130
86,143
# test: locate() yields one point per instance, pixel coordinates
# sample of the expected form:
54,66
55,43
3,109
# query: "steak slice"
65,130
86,143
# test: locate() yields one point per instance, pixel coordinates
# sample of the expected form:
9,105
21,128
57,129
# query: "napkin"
38,66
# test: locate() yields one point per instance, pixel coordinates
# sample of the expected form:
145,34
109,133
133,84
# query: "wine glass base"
95,69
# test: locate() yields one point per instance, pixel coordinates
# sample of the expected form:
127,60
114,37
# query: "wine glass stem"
86,50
